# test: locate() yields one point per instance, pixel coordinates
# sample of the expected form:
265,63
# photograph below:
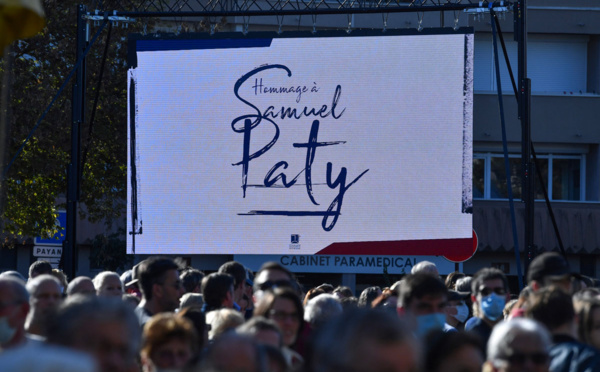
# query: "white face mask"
462,313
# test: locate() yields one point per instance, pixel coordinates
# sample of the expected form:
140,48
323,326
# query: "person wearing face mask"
489,292
422,302
457,311
14,306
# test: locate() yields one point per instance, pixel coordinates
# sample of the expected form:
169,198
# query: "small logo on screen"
295,241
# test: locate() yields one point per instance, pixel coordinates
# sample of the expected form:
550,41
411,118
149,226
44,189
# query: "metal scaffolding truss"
117,11
220,8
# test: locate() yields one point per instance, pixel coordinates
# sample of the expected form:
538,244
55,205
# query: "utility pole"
74,171
527,165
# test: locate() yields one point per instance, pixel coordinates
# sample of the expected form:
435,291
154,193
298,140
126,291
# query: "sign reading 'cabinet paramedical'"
301,144
349,264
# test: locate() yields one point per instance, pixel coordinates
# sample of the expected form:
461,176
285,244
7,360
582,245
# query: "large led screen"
301,144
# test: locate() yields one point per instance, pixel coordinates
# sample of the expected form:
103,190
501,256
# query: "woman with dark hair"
368,295
588,314
452,278
284,307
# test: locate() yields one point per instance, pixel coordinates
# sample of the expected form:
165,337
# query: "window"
562,176
556,64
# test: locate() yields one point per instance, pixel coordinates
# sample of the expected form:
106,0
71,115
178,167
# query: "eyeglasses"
485,291
282,315
274,284
521,358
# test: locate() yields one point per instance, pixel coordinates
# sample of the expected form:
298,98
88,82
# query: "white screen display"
298,145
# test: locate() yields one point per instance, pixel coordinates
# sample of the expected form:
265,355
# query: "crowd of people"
165,316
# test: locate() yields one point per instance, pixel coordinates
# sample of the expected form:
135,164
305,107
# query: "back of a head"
415,286
236,270
463,284
327,288
349,303
312,293
551,306
218,356
14,274
347,342
191,299
151,271
81,285
77,311
257,324
191,279
215,287
34,283
223,320
195,315
39,268
443,347
322,309
343,291
500,344
425,267
452,278
368,295
19,293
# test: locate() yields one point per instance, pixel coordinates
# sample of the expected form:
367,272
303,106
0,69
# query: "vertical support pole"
73,171
349,280
527,165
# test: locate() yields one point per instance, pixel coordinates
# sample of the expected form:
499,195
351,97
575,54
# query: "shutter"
556,64
483,73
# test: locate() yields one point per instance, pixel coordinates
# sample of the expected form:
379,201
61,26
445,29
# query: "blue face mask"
462,313
430,322
492,306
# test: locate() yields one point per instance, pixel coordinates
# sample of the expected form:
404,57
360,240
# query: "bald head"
44,292
81,285
15,288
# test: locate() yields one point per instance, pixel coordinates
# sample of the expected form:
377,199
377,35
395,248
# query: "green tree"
36,184
35,187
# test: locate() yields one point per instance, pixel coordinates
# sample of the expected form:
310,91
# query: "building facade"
564,67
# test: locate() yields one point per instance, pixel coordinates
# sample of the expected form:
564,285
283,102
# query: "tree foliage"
108,252
36,184
37,181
